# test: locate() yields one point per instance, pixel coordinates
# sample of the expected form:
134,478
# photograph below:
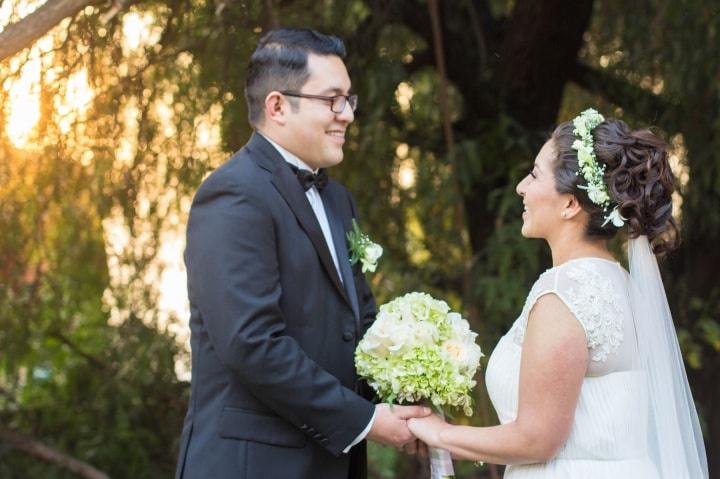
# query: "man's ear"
571,207
276,108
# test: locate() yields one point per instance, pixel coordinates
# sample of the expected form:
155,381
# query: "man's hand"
390,425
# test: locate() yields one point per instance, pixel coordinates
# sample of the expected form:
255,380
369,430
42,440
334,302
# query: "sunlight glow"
39,84
679,167
139,30
403,95
74,104
173,279
23,110
207,128
11,11
127,142
406,169
406,174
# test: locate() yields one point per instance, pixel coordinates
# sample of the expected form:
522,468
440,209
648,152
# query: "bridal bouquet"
419,350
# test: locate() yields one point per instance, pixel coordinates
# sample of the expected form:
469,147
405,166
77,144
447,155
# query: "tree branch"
37,449
74,347
25,31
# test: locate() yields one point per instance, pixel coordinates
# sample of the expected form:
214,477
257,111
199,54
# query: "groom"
276,307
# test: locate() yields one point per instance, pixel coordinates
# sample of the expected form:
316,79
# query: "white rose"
460,327
402,337
455,350
370,256
379,338
472,356
373,252
368,265
425,333
465,354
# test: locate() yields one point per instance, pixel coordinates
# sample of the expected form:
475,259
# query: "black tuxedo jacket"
274,392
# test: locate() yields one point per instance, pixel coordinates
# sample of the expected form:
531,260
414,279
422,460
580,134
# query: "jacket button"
348,336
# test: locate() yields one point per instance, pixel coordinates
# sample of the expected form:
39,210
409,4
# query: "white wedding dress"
609,433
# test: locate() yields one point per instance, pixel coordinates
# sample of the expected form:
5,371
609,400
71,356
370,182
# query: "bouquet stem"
441,466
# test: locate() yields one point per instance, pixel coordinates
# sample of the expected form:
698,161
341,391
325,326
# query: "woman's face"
543,204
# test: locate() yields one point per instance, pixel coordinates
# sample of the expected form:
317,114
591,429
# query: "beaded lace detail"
590,296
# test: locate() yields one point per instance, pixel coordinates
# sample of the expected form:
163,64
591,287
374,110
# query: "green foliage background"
88,363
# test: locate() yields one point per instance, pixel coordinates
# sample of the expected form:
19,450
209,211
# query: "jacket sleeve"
234,280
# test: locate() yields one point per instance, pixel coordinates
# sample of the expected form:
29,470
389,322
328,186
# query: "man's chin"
333,160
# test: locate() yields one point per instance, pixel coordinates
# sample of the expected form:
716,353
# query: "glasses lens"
340,101
338,104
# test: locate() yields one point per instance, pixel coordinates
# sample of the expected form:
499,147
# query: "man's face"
313,132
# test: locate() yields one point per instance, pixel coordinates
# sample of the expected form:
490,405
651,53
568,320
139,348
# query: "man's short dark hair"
280,63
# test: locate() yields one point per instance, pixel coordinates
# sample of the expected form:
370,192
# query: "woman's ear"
571,207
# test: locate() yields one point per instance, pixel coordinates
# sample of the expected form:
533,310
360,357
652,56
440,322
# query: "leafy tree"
441,138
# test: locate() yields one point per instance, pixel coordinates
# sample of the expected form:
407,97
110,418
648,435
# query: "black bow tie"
307,178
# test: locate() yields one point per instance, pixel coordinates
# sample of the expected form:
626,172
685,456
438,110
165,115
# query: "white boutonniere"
363,249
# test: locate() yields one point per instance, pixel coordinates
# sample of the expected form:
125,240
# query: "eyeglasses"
337,102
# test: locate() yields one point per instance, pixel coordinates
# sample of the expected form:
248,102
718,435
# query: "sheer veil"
675,439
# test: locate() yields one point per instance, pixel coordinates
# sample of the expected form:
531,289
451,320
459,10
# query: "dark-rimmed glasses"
337,102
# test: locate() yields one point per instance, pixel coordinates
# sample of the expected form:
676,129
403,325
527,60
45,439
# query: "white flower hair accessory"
591,171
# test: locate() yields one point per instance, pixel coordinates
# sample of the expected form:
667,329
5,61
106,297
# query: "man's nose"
347,115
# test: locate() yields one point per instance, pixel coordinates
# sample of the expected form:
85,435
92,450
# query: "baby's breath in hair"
591,171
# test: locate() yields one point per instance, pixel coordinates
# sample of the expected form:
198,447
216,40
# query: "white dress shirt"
313,196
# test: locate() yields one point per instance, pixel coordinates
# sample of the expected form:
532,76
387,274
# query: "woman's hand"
428,429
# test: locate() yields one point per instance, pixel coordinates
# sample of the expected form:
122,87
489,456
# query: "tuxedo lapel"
285,181
338,234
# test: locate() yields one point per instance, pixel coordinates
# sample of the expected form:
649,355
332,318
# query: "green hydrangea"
419,350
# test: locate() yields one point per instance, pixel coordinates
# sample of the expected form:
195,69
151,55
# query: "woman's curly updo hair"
638,177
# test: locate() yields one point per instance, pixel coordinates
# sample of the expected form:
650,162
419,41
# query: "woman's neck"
566,248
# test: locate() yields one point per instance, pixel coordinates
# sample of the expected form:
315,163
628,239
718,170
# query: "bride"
589,381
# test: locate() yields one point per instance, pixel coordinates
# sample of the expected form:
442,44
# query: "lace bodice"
595,292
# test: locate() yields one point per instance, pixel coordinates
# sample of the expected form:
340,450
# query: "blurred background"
112,113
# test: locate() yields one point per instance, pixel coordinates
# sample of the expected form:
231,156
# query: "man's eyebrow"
336,90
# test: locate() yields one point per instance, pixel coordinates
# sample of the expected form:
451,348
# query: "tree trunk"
542,44
537,59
